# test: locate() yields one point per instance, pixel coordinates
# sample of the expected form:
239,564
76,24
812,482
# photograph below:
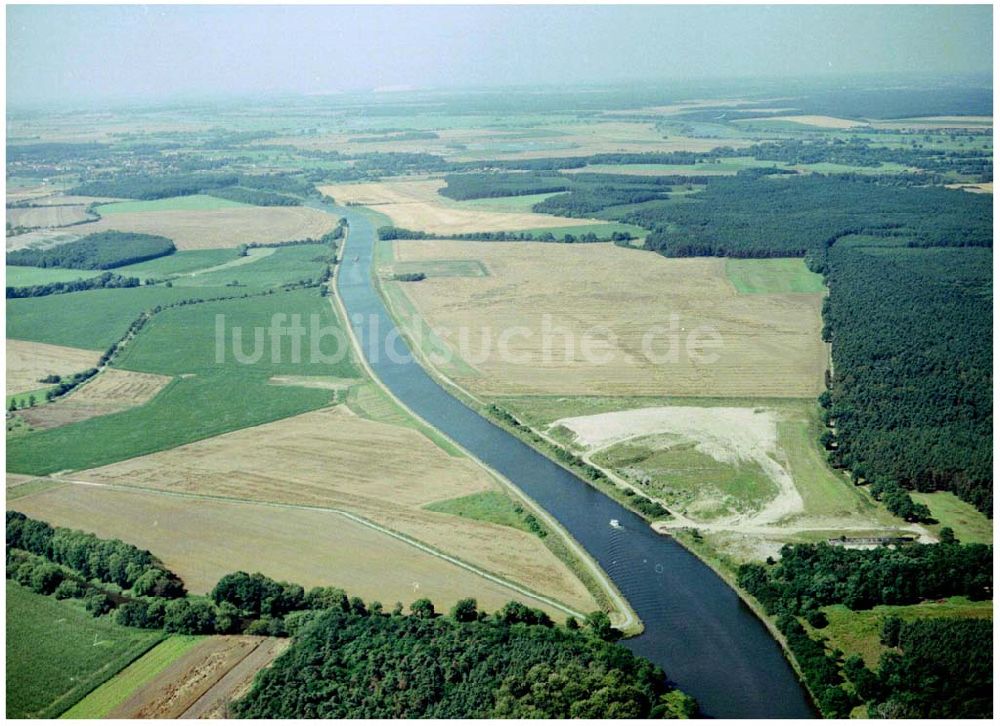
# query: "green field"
264,267
857,632
93,319
522,203
969,524
178,263
22,276
192,203
442,268
490,506
114,692
722,167
57,653
207,397
772,276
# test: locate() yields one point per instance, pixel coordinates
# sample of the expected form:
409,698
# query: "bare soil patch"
28,363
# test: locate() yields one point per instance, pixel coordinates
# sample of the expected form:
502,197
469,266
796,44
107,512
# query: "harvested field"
111,391
203,539
646,317
28,362
417,205
179,690
49,216
235,684
333,458
227,227
827,122
45,238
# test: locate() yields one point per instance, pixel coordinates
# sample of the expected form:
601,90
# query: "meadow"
773,276
57,652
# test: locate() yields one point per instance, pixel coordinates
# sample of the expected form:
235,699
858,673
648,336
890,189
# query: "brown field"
29,362
230,227
202,539
983,188
48,216
201,683
827,122
417,205
66,199
770,344
111,391
384,473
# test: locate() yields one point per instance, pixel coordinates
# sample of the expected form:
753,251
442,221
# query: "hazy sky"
77,52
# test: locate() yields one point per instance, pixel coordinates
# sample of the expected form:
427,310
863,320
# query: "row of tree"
104,280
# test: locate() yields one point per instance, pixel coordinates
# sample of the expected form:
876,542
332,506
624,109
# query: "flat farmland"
111,391
417,205
386,473
203,539
190,203
197,229
28,362
47,216
57,652
642,313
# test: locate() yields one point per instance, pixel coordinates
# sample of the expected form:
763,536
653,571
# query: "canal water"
696,628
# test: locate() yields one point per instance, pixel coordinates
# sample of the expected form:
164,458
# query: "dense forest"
810,576
97,251
262,189
942,668
912,391
351,665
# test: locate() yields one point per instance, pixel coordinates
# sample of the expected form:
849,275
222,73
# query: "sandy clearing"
382,472
230,227
984,188
203,539
28,362
829,122
543,297
49,216
417,205
727,434
110,391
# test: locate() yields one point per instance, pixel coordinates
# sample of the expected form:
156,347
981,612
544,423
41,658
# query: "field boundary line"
628,618
357,519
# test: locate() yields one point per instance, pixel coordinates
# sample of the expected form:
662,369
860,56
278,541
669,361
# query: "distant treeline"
753,216
390,233
97,251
